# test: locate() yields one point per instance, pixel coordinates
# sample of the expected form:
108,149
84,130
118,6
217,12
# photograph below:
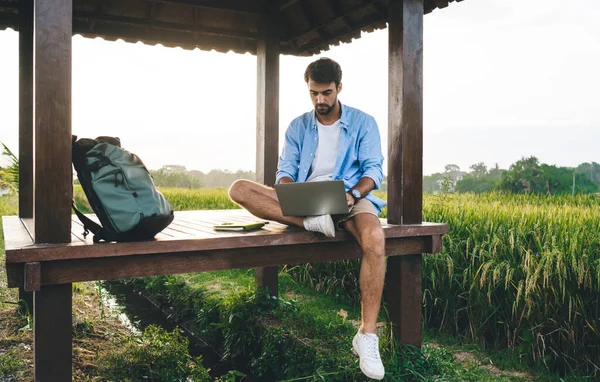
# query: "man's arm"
287,166
286,179
370,157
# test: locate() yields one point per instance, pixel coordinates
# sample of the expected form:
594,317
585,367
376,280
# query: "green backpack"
120,190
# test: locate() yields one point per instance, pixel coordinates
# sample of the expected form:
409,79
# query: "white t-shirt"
327,151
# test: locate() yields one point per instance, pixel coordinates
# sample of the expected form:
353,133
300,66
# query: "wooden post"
405,162
52,180
52,333
26,108
53,187
267,119
25,127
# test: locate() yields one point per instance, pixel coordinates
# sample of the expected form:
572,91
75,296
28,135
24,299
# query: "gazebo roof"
307,27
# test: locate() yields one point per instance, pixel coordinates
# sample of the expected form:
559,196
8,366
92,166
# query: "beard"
324,109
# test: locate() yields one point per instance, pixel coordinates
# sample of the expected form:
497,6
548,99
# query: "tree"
479,170
591,170
524,176
451,168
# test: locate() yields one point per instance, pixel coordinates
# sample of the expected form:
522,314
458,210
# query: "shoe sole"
355,352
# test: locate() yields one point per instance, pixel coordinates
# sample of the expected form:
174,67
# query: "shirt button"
304,170
311,155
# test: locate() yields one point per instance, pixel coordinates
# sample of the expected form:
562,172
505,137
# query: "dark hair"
324,71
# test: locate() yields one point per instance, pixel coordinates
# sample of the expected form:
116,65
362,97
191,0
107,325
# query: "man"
334,142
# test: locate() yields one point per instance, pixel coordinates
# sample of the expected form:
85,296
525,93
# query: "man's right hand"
349,199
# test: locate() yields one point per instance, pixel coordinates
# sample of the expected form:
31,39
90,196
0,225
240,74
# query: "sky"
503,79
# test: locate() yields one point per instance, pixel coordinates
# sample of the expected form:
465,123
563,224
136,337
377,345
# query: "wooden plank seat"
190,244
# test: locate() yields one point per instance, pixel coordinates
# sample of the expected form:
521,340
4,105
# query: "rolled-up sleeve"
290,155
369,152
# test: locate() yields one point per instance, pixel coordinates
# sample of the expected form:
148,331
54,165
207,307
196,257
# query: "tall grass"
521,272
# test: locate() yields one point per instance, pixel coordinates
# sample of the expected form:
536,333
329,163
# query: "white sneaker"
366,346
321,223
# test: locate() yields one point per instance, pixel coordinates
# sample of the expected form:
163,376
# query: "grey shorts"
363,206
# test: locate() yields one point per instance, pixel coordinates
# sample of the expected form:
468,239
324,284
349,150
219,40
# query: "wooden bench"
188,245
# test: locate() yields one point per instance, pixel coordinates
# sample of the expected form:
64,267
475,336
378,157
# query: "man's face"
323,96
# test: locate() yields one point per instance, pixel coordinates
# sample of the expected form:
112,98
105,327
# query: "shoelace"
372,347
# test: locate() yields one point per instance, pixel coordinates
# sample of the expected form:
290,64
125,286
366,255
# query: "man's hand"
349,199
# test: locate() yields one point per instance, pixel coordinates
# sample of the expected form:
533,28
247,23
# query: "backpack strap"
88,224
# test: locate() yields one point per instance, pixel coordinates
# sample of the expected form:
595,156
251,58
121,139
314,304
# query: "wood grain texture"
19,248
404,297
26,108
76,270
32,277
405,164
15,234
267,101
52,102
52,333
405,115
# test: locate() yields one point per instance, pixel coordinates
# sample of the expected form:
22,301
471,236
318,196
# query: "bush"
155,355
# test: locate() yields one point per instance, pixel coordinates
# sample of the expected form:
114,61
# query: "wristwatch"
356,194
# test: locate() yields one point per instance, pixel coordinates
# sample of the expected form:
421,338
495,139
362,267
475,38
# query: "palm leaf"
9,176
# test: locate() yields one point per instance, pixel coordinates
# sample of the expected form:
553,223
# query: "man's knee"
239,189
373,240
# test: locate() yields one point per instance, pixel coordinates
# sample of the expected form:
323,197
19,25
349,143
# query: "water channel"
136,312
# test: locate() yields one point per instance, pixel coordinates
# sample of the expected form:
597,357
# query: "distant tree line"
527,175
178,176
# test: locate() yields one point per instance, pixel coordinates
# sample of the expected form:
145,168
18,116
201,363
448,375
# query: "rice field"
516,271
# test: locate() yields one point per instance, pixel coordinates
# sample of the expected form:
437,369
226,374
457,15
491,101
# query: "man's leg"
261,201
367,230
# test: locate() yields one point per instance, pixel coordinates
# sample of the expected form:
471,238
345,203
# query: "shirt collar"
343,118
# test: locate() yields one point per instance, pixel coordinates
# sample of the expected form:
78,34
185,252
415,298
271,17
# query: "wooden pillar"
52,177
25,127
267,119
53,187
405,162
26,108
52,333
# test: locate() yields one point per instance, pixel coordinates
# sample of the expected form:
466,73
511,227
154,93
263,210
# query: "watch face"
356,193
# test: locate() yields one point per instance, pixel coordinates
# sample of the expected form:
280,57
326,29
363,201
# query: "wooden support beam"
310,47
235,6
312,21
94,17
337,9
405,161
334,19
53,178
33,278
383,12
267,120
26,109
52,333
113,268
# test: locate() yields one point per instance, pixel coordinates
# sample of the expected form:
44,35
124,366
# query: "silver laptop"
312,198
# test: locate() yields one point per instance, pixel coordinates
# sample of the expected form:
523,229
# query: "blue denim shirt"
359,153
